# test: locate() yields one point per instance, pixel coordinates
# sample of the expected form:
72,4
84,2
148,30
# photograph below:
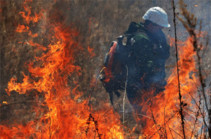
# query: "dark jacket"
140,63
146,65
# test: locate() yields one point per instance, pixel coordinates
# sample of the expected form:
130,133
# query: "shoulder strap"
133,27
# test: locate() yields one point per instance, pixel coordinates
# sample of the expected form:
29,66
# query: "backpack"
114,71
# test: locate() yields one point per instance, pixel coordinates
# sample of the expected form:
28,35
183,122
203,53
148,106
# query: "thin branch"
145,116
197,114
91,118
178,75
198,105
157,126
160,127
176,132
125,91
190,24
171,132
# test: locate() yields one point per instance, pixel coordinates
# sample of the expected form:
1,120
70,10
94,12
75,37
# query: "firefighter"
149,52
141,62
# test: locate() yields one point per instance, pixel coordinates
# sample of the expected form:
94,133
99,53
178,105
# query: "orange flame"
22,28
90,50
164,109
27,14
68,115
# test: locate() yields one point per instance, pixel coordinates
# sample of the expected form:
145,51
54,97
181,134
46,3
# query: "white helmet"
158,16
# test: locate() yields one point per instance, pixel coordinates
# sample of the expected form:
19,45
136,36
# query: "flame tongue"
164,110
55,74
65,112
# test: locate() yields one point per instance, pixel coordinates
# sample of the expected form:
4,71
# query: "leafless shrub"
189,21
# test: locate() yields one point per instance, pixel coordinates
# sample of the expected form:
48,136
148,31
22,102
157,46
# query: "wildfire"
90,50
164,108
68,115
22,28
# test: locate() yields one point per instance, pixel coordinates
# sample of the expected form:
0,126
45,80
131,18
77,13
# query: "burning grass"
63,107
68,115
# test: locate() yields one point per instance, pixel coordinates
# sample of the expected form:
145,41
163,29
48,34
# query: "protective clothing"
158,16
146,64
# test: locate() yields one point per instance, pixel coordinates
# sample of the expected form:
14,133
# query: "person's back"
146,64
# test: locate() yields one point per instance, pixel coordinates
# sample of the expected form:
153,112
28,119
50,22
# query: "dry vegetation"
98,22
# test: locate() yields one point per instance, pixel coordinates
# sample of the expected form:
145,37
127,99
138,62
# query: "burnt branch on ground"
91,119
